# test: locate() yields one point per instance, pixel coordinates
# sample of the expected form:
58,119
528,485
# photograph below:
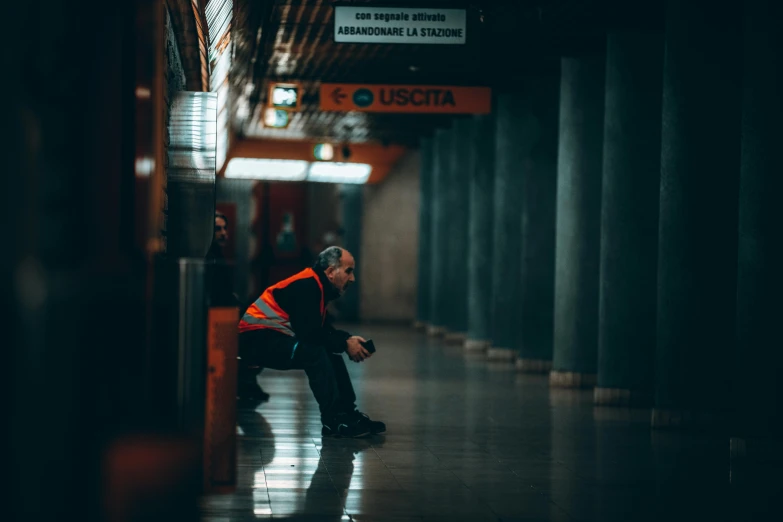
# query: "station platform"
474,440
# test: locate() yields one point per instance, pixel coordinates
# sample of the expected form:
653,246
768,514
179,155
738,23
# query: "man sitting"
285,329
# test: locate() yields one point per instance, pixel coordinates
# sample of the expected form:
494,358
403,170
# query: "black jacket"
301,300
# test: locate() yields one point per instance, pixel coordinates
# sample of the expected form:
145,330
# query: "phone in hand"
368,345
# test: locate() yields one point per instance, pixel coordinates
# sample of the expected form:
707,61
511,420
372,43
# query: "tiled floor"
471,440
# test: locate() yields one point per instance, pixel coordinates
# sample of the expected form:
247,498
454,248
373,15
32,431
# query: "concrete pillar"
510,144
482,197
629,218
697,242
441,162
578,234
539,194
351,219
758,359
425,234
462,154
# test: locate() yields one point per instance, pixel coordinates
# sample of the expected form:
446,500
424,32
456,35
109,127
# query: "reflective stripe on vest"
265,313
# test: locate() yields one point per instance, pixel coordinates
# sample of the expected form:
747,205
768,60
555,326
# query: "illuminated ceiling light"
267,169
339,172
285,96
276,118
282,97
323,152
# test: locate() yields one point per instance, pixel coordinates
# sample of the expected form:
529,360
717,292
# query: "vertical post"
462,155
510,142
629,218
480,228
425,234
539,201
439,233
697,238
758,360
578,238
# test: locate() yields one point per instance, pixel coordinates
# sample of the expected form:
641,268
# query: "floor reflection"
468,442
256,450
348,465
288,471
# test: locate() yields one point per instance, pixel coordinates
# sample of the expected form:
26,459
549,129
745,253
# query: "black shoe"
364,420
344,426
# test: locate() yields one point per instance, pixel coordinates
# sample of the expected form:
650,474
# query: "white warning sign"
400,25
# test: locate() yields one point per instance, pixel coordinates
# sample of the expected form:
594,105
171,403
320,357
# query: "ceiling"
286,40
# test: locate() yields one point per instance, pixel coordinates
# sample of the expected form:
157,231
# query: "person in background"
286,329
247,381
220,238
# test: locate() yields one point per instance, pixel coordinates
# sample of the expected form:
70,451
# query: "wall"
390,239
148,224
323,213
173,82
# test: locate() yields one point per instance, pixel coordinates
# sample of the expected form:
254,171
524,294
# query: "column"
629,218
462,154
69,165
441,161
425,233
351,219
539,195
482,197
578,231
697,241
507,223
758,358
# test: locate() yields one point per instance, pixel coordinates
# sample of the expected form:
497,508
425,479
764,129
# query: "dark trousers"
326,372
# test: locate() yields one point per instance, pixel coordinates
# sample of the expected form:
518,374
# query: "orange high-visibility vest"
266,313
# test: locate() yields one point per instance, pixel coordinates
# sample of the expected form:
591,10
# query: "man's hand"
357,352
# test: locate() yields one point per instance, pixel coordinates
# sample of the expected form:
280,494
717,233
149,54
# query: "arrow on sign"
338,95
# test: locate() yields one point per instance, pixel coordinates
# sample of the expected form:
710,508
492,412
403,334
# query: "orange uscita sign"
405,98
